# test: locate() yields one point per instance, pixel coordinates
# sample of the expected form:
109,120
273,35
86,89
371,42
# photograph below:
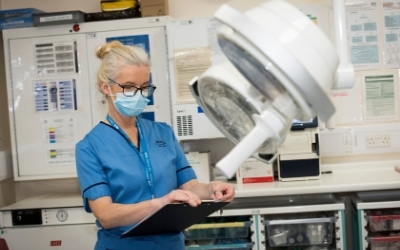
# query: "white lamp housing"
345,72
291,66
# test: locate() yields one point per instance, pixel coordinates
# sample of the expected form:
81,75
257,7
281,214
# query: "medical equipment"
190,54
299,157
47,222
53,85
291,67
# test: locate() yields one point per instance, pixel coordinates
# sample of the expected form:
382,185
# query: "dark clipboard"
173,218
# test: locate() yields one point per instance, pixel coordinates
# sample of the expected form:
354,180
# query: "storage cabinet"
300,232
376,222
51,82
383,243
282,222
225,232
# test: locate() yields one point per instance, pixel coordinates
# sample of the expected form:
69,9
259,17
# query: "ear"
105,88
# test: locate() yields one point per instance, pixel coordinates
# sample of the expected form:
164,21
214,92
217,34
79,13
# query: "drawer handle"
218,225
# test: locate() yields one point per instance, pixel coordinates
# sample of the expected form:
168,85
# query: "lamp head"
281,67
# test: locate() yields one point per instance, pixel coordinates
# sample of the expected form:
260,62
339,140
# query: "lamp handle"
268,125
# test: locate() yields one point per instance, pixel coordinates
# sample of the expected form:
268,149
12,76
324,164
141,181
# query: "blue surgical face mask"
130,106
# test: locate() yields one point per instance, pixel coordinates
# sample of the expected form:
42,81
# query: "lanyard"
143,145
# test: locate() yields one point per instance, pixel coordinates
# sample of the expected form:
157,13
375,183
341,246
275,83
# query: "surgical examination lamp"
281,67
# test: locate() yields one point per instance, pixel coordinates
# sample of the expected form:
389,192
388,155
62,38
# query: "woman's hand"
221,191
181,196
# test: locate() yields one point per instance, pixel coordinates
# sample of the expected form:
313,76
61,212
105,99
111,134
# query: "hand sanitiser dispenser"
289,67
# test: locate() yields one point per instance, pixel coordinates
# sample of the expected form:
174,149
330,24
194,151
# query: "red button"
76,27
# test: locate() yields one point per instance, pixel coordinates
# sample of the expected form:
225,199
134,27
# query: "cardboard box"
17,18
154,10
152,2
254,171
200,163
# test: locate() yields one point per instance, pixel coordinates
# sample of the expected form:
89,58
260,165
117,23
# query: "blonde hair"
115,56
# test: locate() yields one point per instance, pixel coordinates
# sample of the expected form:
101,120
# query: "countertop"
352,177
346,177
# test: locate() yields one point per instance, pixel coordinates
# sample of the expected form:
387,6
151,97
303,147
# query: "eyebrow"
134,84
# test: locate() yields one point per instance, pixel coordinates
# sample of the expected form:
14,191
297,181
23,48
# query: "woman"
125,173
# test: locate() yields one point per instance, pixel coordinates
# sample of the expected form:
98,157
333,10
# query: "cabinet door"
66,237
153,41
49,104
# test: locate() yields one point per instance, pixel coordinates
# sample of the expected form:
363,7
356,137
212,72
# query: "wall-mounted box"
17,18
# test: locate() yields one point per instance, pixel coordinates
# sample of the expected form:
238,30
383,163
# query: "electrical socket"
378,140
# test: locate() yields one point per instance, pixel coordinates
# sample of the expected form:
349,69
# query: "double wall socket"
378,140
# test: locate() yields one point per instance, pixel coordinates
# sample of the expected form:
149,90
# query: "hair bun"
102,50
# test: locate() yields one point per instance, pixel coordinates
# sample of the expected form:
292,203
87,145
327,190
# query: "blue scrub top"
107,165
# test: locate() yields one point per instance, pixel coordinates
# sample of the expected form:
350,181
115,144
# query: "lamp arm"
345,71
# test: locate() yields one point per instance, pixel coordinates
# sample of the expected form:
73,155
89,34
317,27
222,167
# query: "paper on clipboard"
173,218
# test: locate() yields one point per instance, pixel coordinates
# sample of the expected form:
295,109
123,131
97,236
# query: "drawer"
218,230
222,245
300,232
384,242
383,223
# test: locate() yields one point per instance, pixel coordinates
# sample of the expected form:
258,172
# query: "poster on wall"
380,91
363,34
194,48
137,40
56,58
348,104
189,63
55,95
391,33
59,139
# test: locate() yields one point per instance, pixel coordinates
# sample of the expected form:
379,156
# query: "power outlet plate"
375,140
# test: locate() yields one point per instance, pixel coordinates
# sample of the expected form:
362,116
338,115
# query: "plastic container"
300,232
383,223
384,242
218,230
18,18
117,5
